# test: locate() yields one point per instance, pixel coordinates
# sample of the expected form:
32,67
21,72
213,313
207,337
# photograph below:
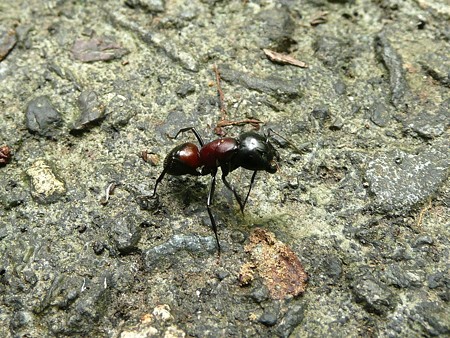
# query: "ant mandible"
249,150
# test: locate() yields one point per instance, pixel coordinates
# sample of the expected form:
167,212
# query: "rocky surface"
361,200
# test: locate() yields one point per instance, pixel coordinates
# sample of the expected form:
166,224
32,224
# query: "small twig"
224,116
283,59
223,110
254,122
422,213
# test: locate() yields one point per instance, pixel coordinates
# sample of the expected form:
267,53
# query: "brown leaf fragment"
8,40
5,155
279,267
319,18
97,49
284,59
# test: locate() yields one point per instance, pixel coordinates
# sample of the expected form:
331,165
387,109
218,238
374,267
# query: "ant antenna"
292,145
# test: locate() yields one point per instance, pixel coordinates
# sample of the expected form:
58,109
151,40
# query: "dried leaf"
97,49
283,59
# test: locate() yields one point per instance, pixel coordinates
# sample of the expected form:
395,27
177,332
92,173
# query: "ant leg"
208,206
158,180
197,135
251,184
229,186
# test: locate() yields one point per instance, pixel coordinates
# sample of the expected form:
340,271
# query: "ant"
249,150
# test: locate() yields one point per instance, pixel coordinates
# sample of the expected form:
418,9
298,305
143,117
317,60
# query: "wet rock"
276,27
3,231
340,87
152,6
394,65
92,112
431,316
322,114
164,253
435,280
125,233
374,296
281,89
174,51
379,114
332,266
399,180
428,124
337,123
98,247
41,117
85,306
395,275
332,51
186,60
120,110
222,274
185,89
422,240
46,187
62,290
21,319
260,294
293,317
437,65
8,40
269,317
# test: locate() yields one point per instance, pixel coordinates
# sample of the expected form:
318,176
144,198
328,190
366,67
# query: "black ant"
249,150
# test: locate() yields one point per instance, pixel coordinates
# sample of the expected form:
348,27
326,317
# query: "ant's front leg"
158,180
230,187
208,206
249,189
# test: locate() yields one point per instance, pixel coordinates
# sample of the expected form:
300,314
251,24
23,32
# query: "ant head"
256,153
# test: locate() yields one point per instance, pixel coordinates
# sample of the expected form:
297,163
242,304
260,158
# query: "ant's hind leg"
249,189
197,135
208,206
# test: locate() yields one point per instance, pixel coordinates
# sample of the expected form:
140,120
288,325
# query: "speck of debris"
5,155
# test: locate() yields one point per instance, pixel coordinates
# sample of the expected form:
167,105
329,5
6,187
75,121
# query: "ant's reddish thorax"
214,152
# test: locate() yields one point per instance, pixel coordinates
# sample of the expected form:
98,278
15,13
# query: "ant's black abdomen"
184,159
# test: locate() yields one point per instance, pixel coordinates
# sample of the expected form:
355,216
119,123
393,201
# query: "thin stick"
223,110
254,122
422,213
